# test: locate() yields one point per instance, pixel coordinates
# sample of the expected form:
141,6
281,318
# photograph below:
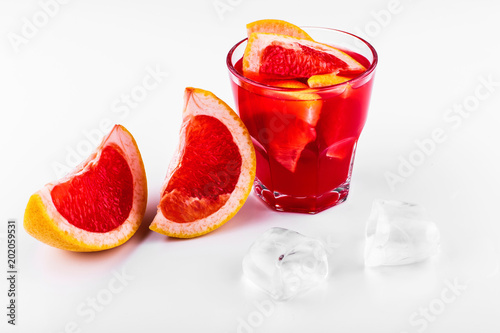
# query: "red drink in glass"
305,139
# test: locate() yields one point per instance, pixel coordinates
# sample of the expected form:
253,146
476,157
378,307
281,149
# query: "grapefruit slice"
342,148
97,206
304,104
287,146
275,56
301,111
323,80
277,27
212,172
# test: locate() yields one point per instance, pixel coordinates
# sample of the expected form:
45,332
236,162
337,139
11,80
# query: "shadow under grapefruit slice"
212,172
97,206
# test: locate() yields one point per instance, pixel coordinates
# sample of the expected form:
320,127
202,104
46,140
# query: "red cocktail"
305,138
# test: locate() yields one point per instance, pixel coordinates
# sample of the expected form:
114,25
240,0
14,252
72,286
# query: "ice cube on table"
285,263
399,233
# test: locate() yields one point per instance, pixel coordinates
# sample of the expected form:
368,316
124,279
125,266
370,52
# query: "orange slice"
273,56
277,27
212,172
97,206
323,80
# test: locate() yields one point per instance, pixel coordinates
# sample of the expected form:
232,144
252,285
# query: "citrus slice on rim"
97,206
274,56
212,172
277,27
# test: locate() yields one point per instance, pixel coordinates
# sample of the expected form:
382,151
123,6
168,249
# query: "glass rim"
366,73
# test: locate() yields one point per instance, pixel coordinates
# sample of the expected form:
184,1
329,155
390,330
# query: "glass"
305,139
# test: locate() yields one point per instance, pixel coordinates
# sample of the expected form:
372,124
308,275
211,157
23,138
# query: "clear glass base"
306,204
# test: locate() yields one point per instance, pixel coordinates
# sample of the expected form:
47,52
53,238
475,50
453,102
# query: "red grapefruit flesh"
274,56
106,213
99,205
293,124
212,172
209,170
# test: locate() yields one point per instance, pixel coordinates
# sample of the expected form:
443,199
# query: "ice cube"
399,233
285,263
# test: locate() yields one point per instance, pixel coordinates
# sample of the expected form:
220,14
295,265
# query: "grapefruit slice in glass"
212,172
324,80
303,102
275,56
97,206
300,113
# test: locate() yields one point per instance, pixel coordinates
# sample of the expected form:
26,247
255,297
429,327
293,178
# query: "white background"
64,80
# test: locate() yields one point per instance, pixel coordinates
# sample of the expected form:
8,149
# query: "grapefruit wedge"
97,206
275,56
277,27
212,172
302,103
301,111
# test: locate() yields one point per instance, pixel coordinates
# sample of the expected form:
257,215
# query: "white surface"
66,79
